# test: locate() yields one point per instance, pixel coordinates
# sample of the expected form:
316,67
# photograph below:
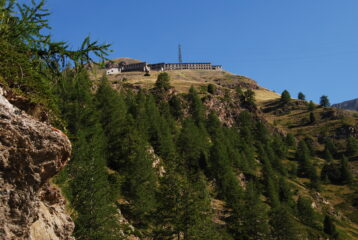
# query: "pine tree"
303,158
113,112
89,190
324,101
329,228
327,155
197,218
163,81
312,117
284,192
305,211
141,180
176,107
301,96
330,145
170,211
314,179
250,221
248,99
283,225
91,194
290,140
285,97
310,143
196,109
193,146
346,175
352,147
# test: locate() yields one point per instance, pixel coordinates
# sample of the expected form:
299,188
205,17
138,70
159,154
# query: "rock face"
349,105
31,152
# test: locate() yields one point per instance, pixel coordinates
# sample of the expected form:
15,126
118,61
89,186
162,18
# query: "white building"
112,71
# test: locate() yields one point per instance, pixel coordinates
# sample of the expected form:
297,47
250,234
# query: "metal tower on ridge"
180,54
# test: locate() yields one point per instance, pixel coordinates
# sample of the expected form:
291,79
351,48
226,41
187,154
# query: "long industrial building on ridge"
145,67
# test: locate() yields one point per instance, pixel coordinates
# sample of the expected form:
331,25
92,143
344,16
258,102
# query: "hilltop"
182,80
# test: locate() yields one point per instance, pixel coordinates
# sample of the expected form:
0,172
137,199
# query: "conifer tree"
329,228
327,155
285,96
193,146
163,81
301,96
285,194
305,211
89,190
170,211
196,107
310,145
324,101
303,158
312,117
176,107
197,218
346,174
352,147
250,221
283,225
248,99
113,112
140,176
290,140
315,181
330,145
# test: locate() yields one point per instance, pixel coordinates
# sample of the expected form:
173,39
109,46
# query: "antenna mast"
180,54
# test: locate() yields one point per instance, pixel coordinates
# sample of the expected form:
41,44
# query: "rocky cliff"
31,152
349,105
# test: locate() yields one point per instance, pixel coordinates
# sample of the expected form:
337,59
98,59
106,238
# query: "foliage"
211,88
301,96
324,101
329,228
248,99
163,81
305,211
285,96
352,147
312,117
283,224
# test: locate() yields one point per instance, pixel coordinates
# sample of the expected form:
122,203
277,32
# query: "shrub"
211,88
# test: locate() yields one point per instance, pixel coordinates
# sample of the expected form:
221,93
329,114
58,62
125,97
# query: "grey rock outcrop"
349,105
31,152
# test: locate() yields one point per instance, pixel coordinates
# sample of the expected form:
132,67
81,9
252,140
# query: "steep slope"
349,105
31,152
293,117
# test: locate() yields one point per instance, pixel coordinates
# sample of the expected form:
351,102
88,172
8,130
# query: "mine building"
145,67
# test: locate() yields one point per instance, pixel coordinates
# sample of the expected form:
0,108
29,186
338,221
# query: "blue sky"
298,45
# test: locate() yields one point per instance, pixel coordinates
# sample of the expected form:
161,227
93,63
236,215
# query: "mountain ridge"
348,105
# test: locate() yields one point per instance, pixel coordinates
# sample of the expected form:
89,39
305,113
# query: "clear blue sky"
298,45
